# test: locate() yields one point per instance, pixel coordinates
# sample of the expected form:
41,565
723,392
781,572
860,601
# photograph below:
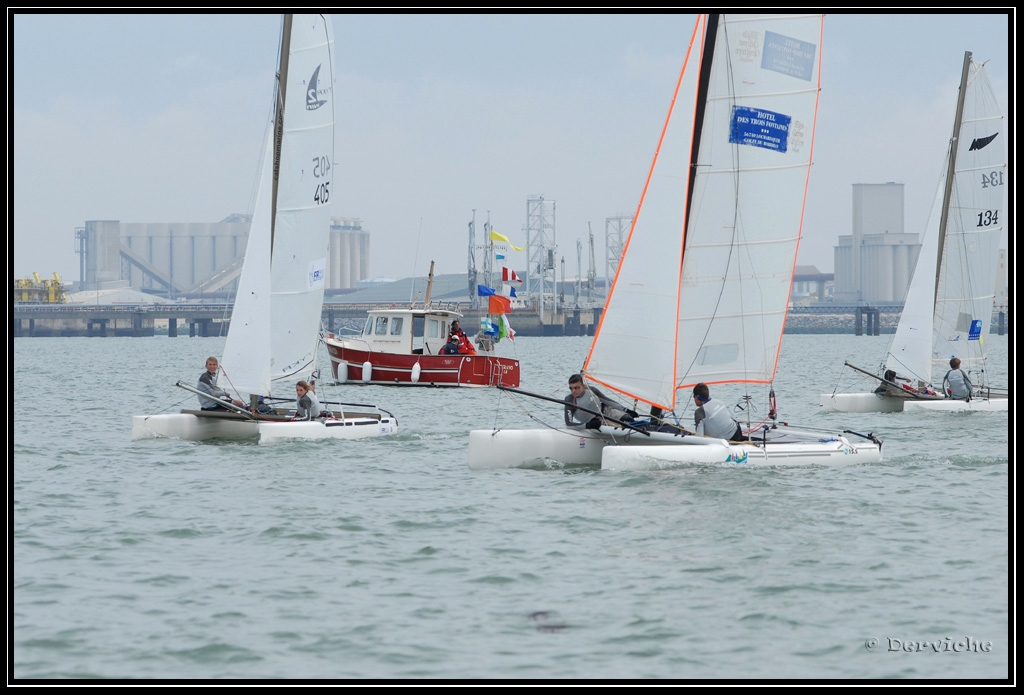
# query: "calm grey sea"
390,559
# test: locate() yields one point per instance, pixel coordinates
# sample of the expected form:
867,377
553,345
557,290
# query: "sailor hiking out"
589,397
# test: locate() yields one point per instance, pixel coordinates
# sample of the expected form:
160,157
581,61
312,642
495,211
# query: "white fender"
415,376
342,372
367,371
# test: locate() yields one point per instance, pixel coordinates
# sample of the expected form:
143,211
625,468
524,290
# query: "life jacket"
308,407
717,421
465,347
587,399
957,384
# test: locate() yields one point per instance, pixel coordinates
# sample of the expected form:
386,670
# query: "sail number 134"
322,170
988,218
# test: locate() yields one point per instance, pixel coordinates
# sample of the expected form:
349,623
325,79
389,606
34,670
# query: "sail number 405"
322,169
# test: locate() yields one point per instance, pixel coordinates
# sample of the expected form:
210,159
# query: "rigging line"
552,427
735,152
691,213
176,404
237,392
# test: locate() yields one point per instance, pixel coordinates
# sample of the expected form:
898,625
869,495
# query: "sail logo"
759,128
735,456
317,274
788,56
313,93
978,143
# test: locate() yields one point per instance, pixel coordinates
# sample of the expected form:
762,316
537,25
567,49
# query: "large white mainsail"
722,301
949,303
275,322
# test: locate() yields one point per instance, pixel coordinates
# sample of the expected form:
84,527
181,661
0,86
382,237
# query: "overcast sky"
159,118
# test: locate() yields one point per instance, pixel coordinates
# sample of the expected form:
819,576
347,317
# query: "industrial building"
874,264
198,260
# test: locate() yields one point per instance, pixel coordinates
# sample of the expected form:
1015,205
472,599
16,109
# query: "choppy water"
390,559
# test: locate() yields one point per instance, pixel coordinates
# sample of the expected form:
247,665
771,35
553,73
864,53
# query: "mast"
947,193
474,300
282,85
706,61
430,287
590,270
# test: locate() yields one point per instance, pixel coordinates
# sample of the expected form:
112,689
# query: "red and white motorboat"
403,347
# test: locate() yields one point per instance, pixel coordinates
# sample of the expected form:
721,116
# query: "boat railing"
350,339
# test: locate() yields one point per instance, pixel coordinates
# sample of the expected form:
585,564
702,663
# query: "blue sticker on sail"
975,332
317,274
788,56
759,128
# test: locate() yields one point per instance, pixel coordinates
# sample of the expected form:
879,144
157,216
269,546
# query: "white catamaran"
274,334
949,303
705,276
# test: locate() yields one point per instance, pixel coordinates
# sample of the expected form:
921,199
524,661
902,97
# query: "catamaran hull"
983,405
194,428
347,365
831,453
861,403
534,448
874,403
617,450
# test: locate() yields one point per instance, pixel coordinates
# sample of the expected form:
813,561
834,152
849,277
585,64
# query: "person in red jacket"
465,346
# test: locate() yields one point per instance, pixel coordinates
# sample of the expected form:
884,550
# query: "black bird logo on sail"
981,142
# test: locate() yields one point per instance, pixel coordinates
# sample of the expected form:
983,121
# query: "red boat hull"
435,370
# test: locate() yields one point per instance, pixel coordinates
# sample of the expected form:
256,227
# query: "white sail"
952,293
634,347
965,293
755,124
246,360
911,351
303,201
275,321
